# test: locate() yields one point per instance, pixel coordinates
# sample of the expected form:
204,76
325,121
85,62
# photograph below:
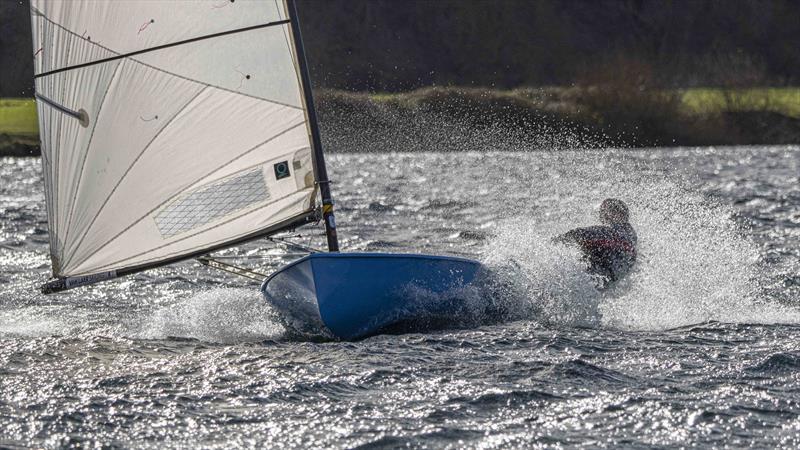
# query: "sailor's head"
613,210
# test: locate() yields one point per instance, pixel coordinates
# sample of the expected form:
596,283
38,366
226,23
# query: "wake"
221,315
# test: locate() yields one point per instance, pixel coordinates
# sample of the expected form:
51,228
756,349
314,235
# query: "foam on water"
217,315
33,322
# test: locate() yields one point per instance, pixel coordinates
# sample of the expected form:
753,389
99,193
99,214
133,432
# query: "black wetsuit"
609,250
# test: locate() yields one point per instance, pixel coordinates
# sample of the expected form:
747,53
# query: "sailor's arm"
571,237
580,235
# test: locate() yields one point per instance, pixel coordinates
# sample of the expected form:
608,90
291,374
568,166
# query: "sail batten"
160,47
189,129
139,61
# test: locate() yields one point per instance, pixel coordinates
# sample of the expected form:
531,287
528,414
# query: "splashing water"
218,315
541,280
694,265
33,321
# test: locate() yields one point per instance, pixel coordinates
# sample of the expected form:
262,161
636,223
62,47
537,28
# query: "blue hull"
354,295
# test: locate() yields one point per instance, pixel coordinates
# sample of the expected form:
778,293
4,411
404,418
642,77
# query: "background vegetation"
645,72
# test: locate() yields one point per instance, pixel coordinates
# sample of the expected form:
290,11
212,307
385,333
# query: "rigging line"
96,44
230,268
178,193
292,245
161,47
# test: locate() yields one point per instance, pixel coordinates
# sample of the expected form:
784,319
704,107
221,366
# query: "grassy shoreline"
19,127
587,116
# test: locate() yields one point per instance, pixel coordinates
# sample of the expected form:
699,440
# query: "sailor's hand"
570,237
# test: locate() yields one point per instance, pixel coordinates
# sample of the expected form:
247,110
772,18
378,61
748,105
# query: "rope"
230,268
216,262
293,245
259,257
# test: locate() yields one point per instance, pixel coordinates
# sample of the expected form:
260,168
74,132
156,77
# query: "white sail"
173,150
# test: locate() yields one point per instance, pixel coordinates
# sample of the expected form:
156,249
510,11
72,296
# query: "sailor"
609,249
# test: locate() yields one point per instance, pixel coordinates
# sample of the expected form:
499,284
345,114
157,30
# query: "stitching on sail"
211,202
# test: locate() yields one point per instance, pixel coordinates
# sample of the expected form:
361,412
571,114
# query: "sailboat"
171,130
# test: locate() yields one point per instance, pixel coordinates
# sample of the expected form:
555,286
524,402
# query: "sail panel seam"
286,39
85,157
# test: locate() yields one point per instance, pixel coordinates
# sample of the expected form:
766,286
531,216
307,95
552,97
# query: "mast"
320,172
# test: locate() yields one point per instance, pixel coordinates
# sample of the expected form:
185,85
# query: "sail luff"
46,163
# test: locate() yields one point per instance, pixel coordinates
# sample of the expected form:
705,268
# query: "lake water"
699,345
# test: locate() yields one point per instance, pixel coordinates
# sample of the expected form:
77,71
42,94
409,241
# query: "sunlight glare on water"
697,346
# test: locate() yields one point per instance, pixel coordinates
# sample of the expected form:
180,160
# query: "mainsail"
170,129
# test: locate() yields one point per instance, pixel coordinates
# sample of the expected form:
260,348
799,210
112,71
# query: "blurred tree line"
396,45
390,45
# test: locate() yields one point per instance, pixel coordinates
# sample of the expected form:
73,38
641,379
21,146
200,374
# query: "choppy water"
700,346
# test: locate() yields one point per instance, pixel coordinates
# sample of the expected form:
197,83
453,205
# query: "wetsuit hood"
613,211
